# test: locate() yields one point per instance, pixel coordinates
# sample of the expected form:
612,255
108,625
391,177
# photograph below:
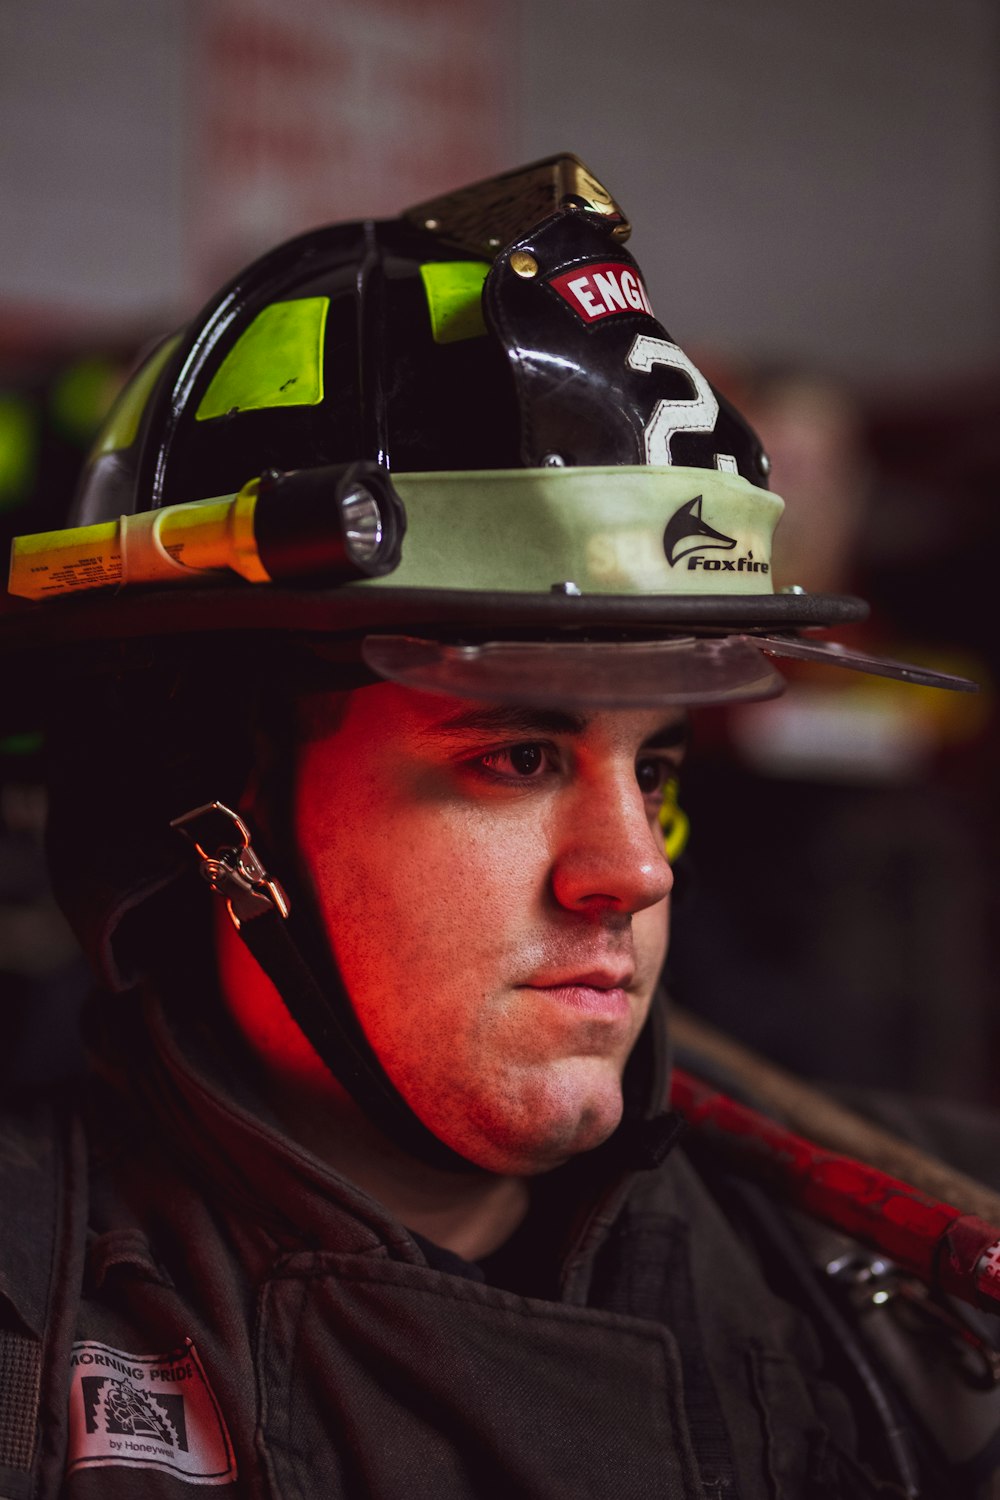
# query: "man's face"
493,884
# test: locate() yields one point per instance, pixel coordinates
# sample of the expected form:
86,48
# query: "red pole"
954,1251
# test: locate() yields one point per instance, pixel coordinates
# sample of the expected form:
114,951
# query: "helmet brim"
353,610
41,641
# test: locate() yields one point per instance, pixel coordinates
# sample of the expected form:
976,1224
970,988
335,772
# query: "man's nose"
610,858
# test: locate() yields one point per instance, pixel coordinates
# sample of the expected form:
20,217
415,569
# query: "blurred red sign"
307,112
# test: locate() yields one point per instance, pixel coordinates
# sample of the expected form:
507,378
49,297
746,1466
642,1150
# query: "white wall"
808,179
92,154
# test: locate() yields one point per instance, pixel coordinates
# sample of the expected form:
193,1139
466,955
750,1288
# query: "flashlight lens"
362,523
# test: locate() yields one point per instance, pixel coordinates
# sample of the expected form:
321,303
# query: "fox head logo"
687,532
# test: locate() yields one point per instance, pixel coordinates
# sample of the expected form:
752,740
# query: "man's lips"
590,979
596,992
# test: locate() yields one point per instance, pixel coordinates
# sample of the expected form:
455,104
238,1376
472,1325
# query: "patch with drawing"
146,1411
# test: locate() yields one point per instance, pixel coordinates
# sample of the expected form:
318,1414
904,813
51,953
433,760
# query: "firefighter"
366,662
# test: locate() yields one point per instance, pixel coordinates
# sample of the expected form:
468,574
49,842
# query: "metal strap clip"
232,870
873,1281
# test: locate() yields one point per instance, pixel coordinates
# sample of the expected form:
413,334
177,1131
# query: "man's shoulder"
966,1135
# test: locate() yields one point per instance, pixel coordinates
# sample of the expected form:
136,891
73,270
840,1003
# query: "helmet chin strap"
261,913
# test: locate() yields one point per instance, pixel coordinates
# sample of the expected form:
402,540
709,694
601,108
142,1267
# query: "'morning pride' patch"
146,1411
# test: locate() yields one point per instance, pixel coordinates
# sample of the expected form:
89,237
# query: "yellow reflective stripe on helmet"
123,423
454,291
277,361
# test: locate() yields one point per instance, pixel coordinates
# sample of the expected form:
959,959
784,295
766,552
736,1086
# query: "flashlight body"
278,527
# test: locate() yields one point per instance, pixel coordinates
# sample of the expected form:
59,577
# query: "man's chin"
549,1140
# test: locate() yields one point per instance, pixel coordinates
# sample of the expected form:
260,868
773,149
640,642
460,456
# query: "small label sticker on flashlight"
54,562
176,544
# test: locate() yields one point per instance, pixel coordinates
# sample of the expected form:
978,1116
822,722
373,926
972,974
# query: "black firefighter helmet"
455,449
457,444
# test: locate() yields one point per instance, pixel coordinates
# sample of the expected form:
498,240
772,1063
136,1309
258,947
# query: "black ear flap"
127,749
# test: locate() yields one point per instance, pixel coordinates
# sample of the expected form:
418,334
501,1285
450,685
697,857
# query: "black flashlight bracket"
301,528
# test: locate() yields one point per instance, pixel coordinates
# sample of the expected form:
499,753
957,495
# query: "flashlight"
328,525
317,527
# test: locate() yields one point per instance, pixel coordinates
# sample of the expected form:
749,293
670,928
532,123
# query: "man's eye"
519,760
652,774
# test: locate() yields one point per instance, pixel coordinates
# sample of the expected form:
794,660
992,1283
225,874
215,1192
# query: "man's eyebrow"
507,719
673,736
512,720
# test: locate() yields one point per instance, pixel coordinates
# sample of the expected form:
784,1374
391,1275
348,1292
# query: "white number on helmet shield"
695,415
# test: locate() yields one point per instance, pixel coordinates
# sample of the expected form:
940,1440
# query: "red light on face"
261,1015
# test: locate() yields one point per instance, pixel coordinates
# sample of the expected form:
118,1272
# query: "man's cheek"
652,933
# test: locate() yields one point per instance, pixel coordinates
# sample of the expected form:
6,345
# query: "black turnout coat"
188,1298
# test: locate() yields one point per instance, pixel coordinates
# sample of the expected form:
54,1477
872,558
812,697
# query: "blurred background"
814,196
